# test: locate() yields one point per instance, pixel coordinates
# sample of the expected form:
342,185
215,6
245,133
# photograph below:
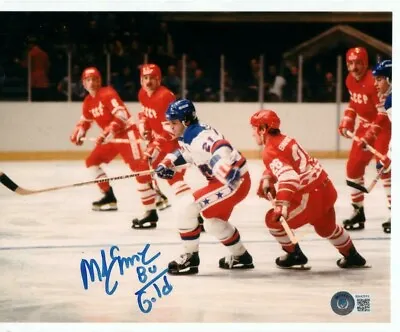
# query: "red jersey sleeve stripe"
219,144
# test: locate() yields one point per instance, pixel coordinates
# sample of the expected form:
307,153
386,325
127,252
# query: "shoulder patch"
192,132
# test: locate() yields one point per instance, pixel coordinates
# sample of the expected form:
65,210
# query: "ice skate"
387,226
107,203
149,220
244,261
162,202
356,221
352,260
293,260
186,264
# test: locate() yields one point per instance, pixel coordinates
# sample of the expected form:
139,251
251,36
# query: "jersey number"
298,154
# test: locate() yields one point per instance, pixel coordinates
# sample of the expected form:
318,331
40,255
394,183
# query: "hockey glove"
347,123
165,170
280,210
153,150
77,135
108,133
266,187
225,173
370,136
386,163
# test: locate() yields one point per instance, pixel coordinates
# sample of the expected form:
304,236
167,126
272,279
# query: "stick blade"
357,186
10,184
6,181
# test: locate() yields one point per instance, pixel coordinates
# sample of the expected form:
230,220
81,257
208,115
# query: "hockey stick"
6,181
370,187
114,140
367,146
374,152
284,223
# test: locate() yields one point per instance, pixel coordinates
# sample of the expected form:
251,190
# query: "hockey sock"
357,196
341,240
147,196
98,173
281,236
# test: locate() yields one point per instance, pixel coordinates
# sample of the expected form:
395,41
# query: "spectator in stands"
40,65
199,89
269,80
165,42
290,88
317,81
77,90
172,81
329,92
125,84
230,90
190,71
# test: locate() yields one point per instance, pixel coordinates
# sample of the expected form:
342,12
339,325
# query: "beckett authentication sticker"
342,303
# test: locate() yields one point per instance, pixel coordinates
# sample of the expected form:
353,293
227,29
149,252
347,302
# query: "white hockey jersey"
201,143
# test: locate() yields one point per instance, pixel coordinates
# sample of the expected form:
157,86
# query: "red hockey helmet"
150,69
265,118
357,53
91,72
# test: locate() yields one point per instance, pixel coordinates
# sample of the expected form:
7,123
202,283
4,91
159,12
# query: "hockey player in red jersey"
154,99
374,128
302,193
104,106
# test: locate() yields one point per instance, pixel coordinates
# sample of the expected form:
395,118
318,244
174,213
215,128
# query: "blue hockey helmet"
182,110
384,69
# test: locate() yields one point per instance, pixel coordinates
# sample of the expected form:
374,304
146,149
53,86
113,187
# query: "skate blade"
238,267
366,266
105,207
355,227
144,226
296,267
192,270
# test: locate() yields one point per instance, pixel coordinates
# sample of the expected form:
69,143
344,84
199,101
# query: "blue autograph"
97,272
106,270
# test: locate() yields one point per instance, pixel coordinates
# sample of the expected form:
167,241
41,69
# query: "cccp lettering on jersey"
358,98
149,112
97,111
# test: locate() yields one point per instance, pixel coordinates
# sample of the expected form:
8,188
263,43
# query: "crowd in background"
69,42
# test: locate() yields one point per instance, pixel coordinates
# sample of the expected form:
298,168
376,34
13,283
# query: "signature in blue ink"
104,270
145,305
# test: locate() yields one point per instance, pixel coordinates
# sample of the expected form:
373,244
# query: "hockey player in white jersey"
383,82
228,184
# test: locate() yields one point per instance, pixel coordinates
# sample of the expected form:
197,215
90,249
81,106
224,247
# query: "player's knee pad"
187,212
270,220
219,228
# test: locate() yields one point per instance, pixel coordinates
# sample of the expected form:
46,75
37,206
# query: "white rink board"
31,127
44,237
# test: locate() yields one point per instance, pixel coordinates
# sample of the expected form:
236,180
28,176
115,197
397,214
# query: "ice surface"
44,237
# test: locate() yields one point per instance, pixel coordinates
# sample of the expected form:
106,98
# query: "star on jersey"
206,201
215,197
